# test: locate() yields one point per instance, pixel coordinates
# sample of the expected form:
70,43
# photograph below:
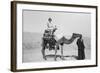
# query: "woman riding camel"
50,26
54,30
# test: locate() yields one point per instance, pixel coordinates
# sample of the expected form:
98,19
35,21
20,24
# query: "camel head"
75,35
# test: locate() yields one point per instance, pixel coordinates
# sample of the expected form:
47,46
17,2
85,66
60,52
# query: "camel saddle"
48,34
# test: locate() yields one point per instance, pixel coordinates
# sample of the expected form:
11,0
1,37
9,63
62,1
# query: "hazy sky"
69,22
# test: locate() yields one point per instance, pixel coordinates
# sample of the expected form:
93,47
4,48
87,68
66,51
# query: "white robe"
59,32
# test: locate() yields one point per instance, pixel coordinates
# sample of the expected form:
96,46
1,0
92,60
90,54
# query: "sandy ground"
31,51
35,55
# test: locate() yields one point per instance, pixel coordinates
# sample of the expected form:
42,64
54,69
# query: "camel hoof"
44,58
55,59
62,58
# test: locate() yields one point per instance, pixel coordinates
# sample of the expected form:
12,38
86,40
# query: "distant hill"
30,36
33,40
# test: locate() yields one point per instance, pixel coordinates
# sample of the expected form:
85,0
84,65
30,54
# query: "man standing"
81,53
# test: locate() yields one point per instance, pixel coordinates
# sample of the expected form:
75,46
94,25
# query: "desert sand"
31,51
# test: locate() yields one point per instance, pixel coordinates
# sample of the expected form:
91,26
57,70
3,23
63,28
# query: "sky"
67,22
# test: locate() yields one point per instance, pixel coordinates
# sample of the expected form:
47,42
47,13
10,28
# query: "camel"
63,41
58,43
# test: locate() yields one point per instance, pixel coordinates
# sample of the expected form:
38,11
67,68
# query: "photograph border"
14,35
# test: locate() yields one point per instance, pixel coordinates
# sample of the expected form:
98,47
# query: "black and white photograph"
50,36
54,35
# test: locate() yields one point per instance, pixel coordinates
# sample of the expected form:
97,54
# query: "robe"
81,51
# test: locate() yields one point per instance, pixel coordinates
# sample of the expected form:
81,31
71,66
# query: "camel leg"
55,53
62,57
43,53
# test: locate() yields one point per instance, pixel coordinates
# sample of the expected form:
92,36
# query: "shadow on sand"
59,56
